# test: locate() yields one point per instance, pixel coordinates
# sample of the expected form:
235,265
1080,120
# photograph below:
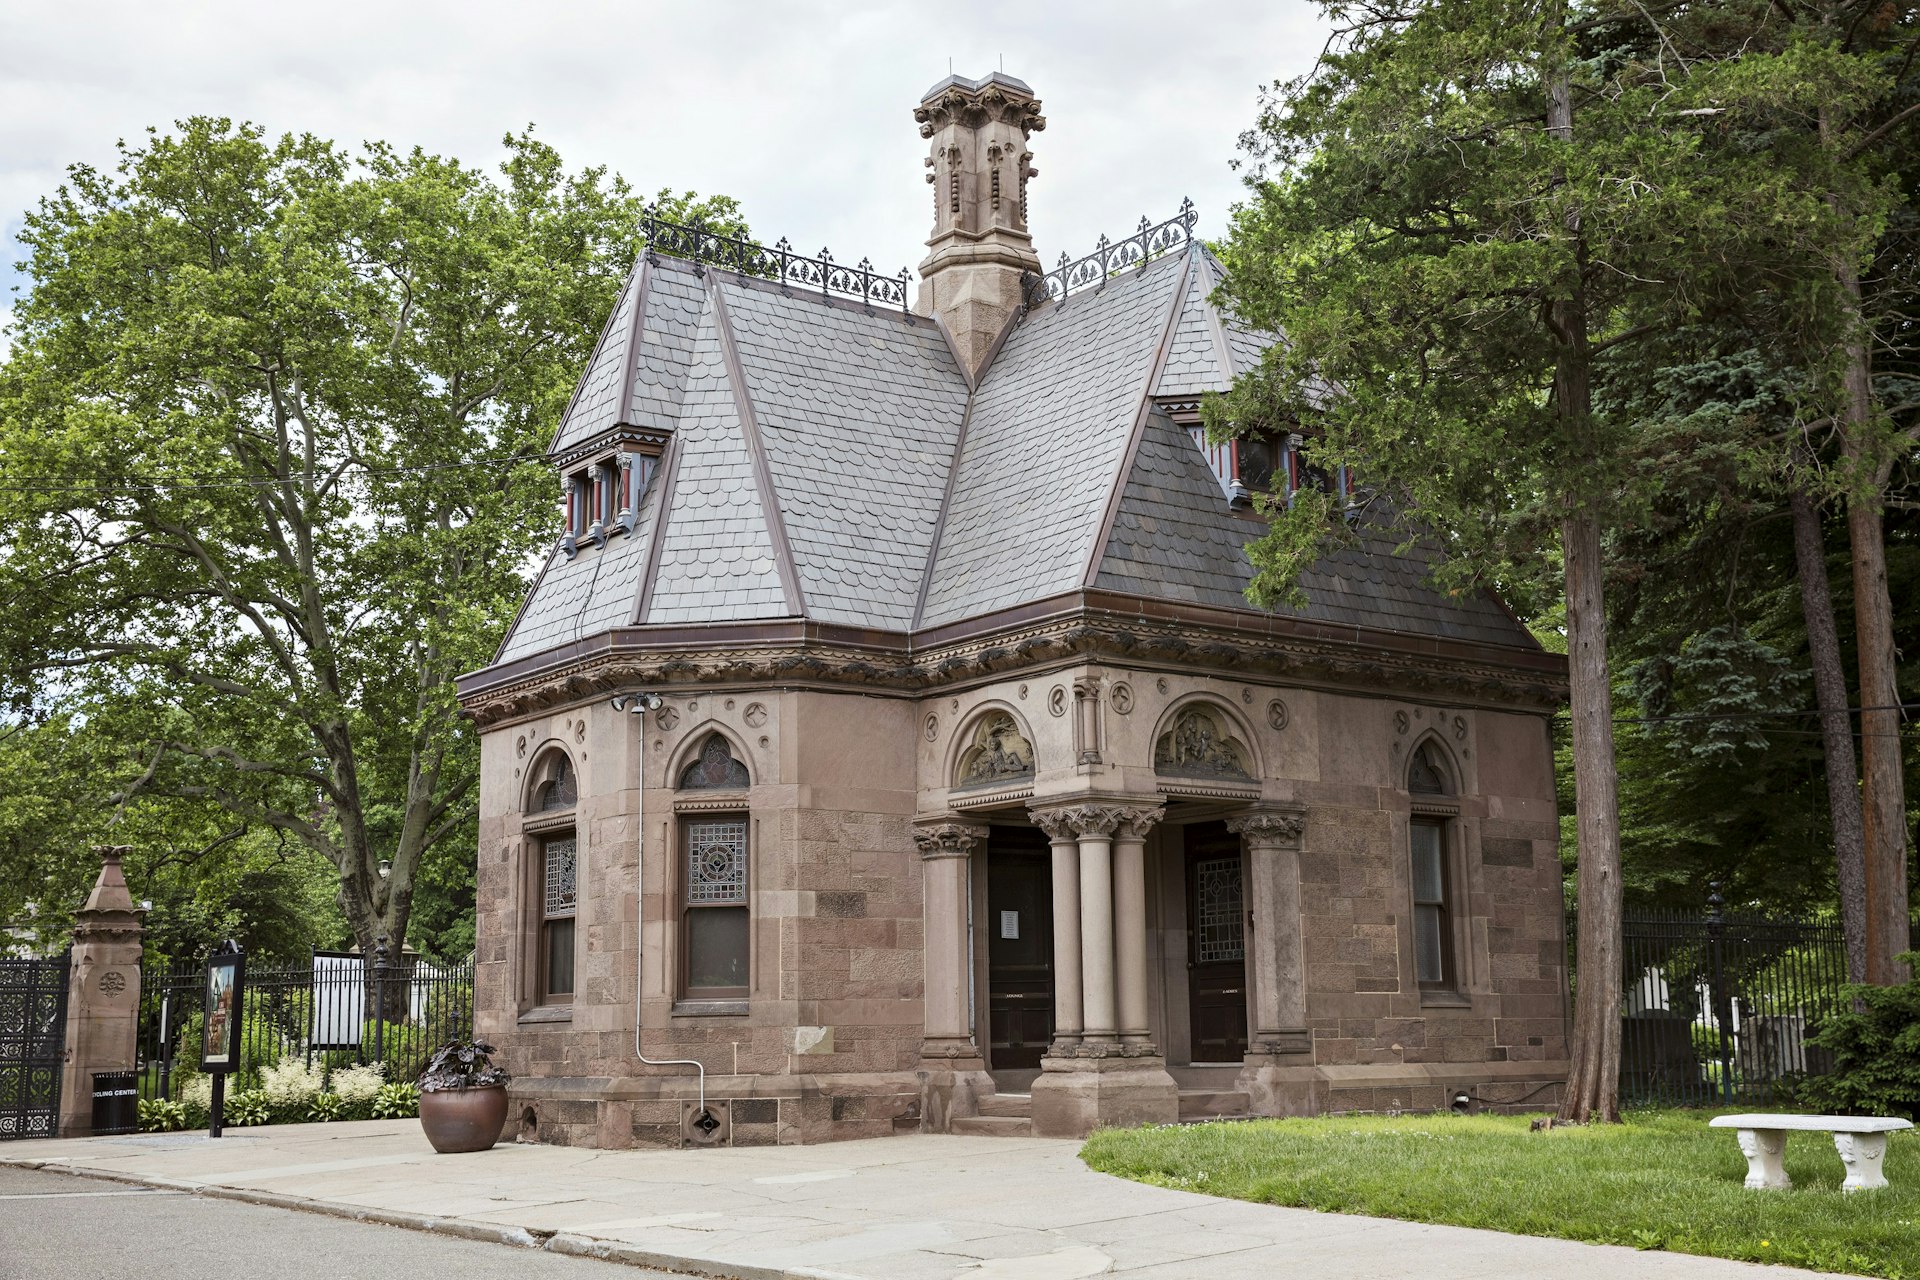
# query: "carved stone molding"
1097,818
1269,829
1054,822
622,663
1137,820
947,839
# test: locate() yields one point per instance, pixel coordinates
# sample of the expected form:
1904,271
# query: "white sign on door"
1010,924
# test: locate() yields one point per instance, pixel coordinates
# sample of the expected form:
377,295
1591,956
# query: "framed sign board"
220,1031
339,999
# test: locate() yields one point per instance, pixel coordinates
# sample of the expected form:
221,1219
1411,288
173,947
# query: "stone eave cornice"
1080,626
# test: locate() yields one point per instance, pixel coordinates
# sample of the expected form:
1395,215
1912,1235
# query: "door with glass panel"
1216,944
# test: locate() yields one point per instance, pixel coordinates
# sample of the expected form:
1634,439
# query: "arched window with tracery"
555,841
715,915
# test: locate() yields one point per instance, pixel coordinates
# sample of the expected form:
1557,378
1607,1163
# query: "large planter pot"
464,1119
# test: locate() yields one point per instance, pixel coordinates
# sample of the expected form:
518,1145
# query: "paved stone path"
904,1208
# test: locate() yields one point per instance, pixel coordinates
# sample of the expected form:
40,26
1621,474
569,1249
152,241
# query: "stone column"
1101,1081
1277,1075
1130,925
946,848
103,992
1100,1025
1065,844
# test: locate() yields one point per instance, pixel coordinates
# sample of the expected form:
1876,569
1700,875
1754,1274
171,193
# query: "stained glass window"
1219,920
557,905
714,768
717,860
558,791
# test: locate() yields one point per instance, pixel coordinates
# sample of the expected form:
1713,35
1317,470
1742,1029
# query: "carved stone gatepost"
1278,1074
953,1074
1108,1078
103,992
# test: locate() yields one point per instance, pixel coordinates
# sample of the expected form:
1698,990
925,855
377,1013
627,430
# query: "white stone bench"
1861,1141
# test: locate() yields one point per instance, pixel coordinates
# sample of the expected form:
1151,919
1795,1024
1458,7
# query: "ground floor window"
559,867
715,923
1432,918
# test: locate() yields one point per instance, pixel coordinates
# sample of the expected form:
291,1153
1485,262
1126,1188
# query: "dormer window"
602,496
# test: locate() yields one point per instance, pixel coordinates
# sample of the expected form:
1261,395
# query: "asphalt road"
54,1226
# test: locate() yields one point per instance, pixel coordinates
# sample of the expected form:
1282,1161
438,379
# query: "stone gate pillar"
952,1072
103,992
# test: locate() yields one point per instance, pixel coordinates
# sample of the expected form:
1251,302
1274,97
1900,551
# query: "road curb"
569,1243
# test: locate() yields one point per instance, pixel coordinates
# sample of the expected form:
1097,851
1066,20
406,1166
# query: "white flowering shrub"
356,1087
291,1086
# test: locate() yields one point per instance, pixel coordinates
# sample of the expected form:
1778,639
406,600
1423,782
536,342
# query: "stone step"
994,1126
1205,1104
1018,1105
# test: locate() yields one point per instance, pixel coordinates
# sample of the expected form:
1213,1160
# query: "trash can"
116,1102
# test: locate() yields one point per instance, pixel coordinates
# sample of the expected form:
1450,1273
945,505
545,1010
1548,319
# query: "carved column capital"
947,839
1137,820
1054,822
1269,828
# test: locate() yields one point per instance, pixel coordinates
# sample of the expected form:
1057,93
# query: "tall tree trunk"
1593,1082
1593,1085
1883,791
1836,724
1883,788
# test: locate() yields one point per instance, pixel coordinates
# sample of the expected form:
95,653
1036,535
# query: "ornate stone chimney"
978,165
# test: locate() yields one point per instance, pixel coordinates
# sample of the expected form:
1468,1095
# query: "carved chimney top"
978,164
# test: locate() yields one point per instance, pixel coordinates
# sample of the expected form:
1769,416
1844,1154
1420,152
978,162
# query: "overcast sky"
803,111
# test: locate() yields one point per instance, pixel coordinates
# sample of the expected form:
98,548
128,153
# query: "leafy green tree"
269,468
1466,220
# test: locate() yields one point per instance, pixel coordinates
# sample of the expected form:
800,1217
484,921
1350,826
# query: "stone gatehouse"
888,744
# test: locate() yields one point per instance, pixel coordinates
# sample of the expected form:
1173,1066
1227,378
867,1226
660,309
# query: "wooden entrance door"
1216,944
1019,948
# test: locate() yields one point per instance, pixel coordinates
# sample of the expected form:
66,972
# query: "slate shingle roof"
813,440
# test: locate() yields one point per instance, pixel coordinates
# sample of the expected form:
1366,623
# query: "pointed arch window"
715,769
716,920
554,877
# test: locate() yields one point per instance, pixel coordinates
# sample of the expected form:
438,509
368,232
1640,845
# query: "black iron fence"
338,1010
1721,1010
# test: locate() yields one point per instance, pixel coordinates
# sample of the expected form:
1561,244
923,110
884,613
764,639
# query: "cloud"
801,110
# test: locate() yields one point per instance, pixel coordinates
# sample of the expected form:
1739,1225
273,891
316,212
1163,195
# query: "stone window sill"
709,1008
1445,1000
547,1013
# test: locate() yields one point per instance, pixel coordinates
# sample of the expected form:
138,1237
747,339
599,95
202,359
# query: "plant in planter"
463,1097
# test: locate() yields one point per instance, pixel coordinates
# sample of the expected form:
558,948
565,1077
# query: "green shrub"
157,1115
1875,1042
326,1106
396,1101
247,1107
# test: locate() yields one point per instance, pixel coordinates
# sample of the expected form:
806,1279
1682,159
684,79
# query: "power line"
187,484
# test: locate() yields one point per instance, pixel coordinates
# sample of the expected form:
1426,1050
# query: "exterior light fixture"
636,703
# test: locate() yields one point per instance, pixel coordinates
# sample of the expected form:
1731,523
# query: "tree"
1462,220
271,431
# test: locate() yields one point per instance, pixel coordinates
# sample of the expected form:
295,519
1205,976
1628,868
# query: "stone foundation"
1075,1096
750,1111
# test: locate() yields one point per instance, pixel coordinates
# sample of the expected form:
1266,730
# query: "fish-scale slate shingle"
596,402
717,556
1194,360
858,414
1050,424
1174,539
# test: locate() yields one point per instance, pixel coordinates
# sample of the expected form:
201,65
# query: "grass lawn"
1662,1180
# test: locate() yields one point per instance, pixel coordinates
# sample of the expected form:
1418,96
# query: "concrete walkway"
905,1208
